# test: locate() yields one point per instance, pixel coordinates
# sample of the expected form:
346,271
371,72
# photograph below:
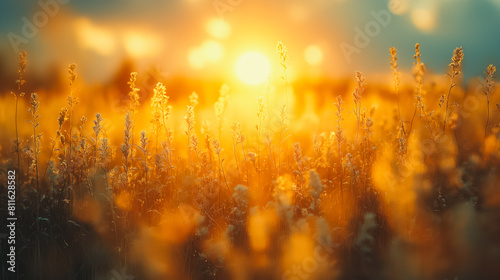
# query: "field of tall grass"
353,179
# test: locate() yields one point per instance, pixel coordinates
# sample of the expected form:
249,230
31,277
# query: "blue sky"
473,24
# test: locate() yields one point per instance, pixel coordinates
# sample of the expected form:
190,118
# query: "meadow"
350,179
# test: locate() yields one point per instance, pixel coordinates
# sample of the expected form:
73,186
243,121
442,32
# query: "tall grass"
489,88
360,196
18,94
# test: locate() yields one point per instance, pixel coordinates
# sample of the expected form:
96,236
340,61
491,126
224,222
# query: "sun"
253,68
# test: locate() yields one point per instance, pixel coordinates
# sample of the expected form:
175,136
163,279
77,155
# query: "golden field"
394,178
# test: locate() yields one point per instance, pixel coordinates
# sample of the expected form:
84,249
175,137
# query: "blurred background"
204,39
426,188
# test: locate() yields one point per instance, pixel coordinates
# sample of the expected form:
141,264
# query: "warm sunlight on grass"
253,68
233,139
313,55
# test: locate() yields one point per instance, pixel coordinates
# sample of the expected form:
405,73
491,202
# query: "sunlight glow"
95,38
209,51
218,28
212,50
313,55
253,68
141,45
196,59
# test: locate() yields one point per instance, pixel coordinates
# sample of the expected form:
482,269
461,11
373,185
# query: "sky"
204,38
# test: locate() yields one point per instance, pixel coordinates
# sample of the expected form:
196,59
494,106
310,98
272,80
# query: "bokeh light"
95,38
253,68
140,44
208,52
424,19
212,50
218,28
233,139
313,55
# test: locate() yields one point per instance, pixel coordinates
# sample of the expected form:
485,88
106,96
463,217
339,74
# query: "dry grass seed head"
297,154
72,73
63,117
394,66
394,59
189,117
134,92
419,67
193,99
193,142
456,60
97,124
490,72
238,136
216,146
282,52
368,122
160,97
34,103
144,140
221,103
315,184
21,71
358,91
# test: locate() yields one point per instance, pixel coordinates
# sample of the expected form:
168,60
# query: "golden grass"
364,193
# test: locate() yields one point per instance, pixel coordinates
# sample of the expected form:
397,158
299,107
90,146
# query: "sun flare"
253,68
